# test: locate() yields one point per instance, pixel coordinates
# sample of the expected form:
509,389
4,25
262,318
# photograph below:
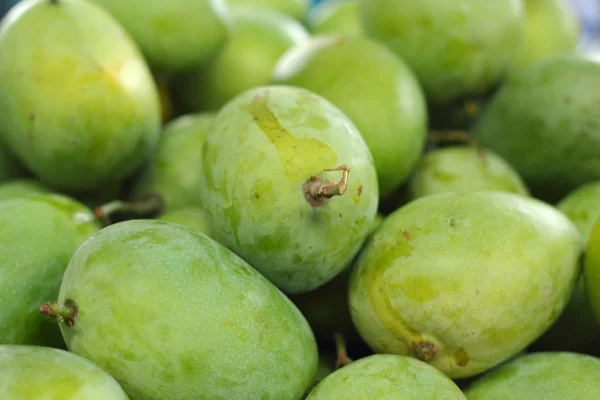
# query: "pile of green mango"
275,200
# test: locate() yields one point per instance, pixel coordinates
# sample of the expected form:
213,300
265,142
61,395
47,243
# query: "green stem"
148,206
342,355
64,313
316,191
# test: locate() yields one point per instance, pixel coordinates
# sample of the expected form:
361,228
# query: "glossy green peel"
182,318
387,377
174,171
374,88
35,373
463,169
454,278
79,106
335,17
541,376
39,235
457,48
20,188
289,185
294,8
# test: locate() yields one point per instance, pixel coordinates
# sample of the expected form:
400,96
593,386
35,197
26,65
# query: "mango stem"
317,191
342,355
66,314
148,206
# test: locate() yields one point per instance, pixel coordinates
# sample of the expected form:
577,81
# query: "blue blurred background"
588,10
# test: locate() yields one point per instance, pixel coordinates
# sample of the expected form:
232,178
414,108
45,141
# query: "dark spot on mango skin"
424,351
406,235
32,117
461,357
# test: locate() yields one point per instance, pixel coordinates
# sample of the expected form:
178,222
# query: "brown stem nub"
342,355
424,351
148,206
64,313
316,191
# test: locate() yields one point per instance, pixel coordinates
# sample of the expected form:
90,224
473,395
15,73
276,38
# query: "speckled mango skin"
174,35
374,88
20,188
171,314
478,275
294,8
192,217
34,373
541,376
582,206
545,122
265,145
552,29
257,40
463,169
458,48
335,17
387,377
174,171
592,270
39,235
80,107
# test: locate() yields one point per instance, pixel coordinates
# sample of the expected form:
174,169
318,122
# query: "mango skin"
33,373
80,107
551,375
457,48
577,328
174,171
552,29
462,169
174,35
192,217
265,145
387,377
184,318
591,270
544,122
335,17
257,40
20,188
478,275
294,8
39,235
374,88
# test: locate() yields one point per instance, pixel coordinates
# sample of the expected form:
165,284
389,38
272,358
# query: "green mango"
39,235
387,377
591,271
192,217
463,169
326,308
289,184
10,168
582,206
80,107
541,376
182,318
577,328
457,48
553,29
174,35
294,8
36,373
174,171
335,17
258,39
464,281
375,89
21,188
544,122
